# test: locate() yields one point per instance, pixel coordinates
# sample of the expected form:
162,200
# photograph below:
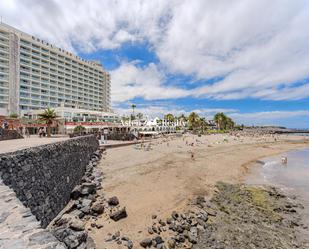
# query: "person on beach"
27,133
192,155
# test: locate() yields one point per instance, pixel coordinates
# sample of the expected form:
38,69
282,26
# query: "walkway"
19,229
19,144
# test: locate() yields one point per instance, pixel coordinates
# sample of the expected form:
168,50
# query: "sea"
292,178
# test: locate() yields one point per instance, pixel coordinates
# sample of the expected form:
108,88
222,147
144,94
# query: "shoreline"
165,179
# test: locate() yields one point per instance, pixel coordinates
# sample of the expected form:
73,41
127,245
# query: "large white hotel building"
35,75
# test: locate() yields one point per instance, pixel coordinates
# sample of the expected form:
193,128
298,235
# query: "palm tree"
79,129
220,120
48,116
183,118
133,106
169,117
203,124
193,120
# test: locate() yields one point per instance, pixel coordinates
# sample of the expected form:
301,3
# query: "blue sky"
249,59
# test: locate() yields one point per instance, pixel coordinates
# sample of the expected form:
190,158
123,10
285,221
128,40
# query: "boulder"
76,193
88,188
119,214
97,208
77,225
158,240
146,242
113,201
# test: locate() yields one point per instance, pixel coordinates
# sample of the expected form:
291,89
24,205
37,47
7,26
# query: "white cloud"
89,24
259,46
130,81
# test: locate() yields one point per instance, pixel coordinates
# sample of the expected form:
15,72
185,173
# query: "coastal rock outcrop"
238,216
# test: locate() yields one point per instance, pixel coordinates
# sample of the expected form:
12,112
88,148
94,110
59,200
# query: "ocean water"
292,178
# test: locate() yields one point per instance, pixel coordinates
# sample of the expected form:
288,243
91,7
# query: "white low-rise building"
69,118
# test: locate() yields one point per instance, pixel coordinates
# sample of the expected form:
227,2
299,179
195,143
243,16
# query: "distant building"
69,118
35,75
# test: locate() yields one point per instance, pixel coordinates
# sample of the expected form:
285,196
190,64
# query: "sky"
247,58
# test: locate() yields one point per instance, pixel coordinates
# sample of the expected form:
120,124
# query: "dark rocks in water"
113,201
146,243
119,214
247,217
241,217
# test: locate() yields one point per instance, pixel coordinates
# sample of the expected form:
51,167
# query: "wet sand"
165,178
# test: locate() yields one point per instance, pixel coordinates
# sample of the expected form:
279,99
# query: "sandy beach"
165,177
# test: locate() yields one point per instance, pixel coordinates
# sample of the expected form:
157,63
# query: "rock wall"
44,176
9,134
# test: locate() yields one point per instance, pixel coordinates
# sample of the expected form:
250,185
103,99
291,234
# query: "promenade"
19,144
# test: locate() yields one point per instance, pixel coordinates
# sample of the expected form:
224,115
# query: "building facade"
35,75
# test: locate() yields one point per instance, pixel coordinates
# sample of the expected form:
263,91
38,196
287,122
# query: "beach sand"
166,177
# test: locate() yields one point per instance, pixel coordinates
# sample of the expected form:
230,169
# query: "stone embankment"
37,184
44,176
86,205
69,227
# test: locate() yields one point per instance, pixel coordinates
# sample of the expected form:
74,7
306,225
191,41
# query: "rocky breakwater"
237,216
85,207
69,226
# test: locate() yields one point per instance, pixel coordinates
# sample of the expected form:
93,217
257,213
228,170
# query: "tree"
193,120
229,123
139,115
79,129
223,122
220,120
13,115
125,119
133,106
203,124
48,116
183,118
169,117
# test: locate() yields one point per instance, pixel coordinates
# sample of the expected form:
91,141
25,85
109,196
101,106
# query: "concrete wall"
44,176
